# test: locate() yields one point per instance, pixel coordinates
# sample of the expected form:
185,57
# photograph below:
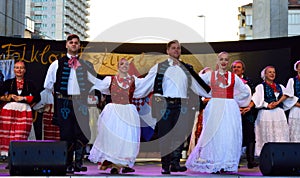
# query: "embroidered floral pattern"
20,84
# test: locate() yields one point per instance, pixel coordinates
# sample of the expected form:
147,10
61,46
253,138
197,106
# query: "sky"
119,20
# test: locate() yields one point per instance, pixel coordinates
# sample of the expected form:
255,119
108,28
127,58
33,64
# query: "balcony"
68,5
87,5
37,12
37,4
87,13
38,20
76,4
86,28
68,21
68,13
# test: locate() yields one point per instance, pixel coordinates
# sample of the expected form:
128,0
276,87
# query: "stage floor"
150,168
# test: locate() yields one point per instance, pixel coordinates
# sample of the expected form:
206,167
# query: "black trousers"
173,129
73,121
248,128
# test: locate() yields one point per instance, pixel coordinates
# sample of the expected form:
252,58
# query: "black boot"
114,171
127,169
250,156
70,154
79,154
175,163
165,164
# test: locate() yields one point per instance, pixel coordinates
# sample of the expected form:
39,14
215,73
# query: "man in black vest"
174,103
68,78
249,115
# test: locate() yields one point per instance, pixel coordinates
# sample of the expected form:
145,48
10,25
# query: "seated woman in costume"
16,115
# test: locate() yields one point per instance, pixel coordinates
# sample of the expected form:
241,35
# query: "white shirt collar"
171,61
69,55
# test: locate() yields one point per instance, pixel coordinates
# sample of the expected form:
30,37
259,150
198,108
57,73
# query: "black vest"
297,88
161,69
269,95
188,70
63,73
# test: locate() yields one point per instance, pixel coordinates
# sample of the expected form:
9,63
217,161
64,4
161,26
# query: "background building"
246,24
12,18
55,19
294,17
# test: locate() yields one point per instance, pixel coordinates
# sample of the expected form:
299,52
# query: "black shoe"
80,168
114,171
178,168
218,172
70,169
127,169
165,171
251,165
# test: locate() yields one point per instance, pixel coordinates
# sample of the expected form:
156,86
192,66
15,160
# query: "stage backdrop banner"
255,61
38,54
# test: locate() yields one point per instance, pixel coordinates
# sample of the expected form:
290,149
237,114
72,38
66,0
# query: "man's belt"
173,100
170,100
68,97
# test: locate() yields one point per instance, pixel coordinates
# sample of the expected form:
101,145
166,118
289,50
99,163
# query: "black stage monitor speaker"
37,158
280,159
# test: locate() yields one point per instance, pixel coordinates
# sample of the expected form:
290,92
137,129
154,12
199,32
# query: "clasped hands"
17,98
245,110
273,105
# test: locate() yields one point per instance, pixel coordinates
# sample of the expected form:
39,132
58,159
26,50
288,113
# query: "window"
294,18
39,8
37,17
248,20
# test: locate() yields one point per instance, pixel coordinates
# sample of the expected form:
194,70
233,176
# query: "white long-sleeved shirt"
73,86
175,83
259,99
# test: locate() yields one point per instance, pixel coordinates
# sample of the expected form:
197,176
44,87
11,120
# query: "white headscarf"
263,72
295,65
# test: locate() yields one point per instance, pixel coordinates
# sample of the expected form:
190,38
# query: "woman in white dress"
197,128
219,146
272,99
117,143
293,86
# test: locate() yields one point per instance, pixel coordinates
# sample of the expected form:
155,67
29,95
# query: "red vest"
218,92
120,95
